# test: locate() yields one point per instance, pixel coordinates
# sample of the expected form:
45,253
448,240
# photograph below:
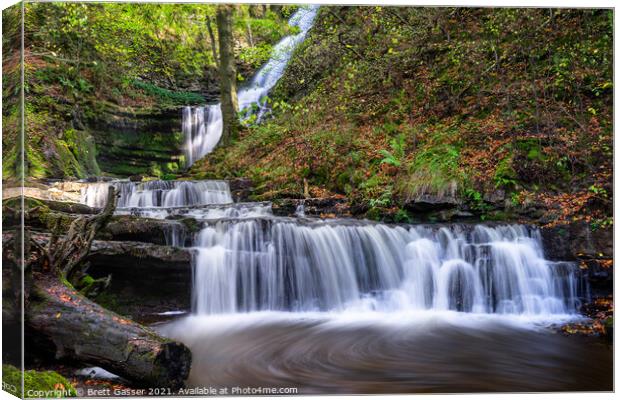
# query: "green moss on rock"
37,384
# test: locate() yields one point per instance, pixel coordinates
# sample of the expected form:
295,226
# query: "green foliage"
505,175
137,57
402,216
435,166
169,96
394,157
384,200
601,223
600,191
256,55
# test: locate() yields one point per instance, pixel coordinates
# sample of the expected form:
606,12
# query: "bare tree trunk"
228,75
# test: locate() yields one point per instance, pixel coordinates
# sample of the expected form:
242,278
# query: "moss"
169,96
191,224
86,281
110,302
47,384
36,166
374,214
49,219
82,146
65,163
499,216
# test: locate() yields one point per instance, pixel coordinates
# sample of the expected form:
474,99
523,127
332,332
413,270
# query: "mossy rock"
37,384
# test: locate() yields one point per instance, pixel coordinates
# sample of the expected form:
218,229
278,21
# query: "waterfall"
175,234
246,259
202,126
255,265
158,193
300,211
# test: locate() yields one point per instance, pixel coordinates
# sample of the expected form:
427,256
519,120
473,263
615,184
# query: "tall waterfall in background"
202,126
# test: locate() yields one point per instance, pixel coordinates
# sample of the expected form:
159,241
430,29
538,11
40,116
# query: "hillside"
503,109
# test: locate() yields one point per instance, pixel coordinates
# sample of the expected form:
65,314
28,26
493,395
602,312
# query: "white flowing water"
350,306
282,265
202,126
248,260
158,193
346,306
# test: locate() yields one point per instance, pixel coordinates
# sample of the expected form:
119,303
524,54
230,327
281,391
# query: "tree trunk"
228,75
213,42
77,328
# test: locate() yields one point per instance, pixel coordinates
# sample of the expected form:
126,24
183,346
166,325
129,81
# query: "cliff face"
139,142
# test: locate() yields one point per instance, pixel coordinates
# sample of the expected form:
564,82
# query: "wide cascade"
272,264
202,126
246,259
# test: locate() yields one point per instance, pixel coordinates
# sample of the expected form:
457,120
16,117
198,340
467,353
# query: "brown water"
395,354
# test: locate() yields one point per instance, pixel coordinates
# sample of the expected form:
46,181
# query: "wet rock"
136,178
147,279
593,248
453,215
495,197
313,207
241,189
130,228
577,241
43,215
137,141
599,274
430,202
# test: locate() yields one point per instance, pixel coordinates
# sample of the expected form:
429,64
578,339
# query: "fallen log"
79,329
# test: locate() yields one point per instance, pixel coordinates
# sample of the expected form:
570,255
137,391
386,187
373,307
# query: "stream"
353,306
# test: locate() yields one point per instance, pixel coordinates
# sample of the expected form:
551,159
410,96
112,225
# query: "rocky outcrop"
577,241
313,207
138,142
44,215
162,232
428,202
43,193
147,280
241,189
592,248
